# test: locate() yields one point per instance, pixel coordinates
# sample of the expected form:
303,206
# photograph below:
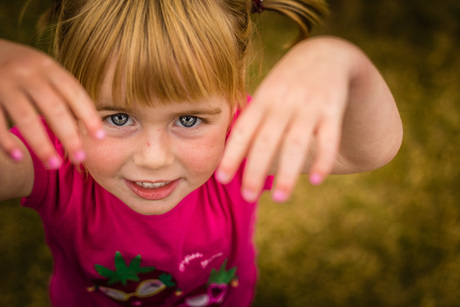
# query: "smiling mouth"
152,185
153,190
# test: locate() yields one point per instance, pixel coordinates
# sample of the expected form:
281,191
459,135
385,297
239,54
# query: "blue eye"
188,121
119,119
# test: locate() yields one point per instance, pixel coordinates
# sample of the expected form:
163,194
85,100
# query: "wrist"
340,51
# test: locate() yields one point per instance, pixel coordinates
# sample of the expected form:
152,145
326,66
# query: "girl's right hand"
32,83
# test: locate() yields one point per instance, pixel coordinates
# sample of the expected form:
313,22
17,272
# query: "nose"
154,151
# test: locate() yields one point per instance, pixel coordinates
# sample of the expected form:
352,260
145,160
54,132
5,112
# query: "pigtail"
55,21
44,19
49,15
305,13
45,24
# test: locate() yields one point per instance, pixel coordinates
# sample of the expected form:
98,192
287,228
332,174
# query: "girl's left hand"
298,109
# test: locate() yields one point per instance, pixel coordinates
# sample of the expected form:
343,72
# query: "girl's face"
152,157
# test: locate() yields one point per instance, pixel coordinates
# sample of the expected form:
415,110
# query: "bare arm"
324,108
16,178
358,123
372,129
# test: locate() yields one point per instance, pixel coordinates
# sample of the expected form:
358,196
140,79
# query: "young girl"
161,211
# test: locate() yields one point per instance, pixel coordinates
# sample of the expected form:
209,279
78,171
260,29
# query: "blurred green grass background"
385,238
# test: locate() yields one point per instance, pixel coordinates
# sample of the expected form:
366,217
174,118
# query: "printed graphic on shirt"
214,292
134,285
200,257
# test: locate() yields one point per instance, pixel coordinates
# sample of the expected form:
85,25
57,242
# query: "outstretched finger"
79,102
7,143
292,158
263,149
33,131
238,143
327,145
59,118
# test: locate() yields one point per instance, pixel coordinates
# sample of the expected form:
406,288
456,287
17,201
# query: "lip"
153,193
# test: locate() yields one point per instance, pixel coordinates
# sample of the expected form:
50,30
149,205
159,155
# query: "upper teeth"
151,185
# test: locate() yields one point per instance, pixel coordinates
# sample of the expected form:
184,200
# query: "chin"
155,207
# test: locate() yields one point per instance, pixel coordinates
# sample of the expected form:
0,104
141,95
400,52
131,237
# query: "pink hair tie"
257,6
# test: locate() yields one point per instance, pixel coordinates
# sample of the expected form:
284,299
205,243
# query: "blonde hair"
165,50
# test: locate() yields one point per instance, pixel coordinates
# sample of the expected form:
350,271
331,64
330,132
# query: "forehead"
106,100
212,106
182,63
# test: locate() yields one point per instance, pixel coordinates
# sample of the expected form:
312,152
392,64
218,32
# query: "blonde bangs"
164,50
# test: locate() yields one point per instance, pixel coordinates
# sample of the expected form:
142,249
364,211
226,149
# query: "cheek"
204,155
103,157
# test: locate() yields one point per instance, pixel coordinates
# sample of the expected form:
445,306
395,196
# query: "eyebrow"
202,111
191,111
105,107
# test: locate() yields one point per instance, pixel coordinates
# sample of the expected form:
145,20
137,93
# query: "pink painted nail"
316,179
222,177
249,195
100,134
17,155
54,163
79,156
279,196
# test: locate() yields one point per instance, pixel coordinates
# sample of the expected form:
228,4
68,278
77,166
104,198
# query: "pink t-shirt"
198,254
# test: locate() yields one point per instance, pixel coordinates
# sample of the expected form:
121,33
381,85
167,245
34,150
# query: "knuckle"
291,167
59,109
325,162
306,111
296,143
13,69
70,88
263,143
238,134
328,146
46,63
52,107
24,117
327,149
238,141
24,70
255,173
89,116
47,100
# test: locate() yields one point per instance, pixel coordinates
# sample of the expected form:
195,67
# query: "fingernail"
79,156
316,179
279,196
249,195
222,177
16,155
100,134
54,163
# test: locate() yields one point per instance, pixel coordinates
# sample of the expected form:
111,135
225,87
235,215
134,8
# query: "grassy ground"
386,238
